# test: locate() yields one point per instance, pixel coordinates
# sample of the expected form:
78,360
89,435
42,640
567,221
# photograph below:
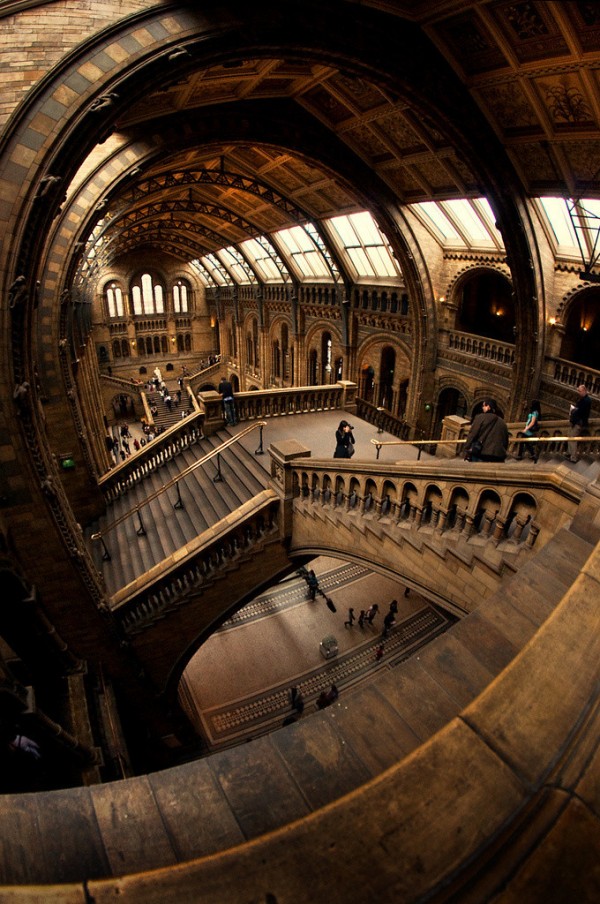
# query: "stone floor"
237,685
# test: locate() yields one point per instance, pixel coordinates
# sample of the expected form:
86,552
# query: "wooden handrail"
175,480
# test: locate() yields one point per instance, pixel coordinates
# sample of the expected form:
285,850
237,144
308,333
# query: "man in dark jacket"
226,390
579,414
490,432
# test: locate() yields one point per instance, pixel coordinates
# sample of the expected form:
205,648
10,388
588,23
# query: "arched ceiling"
255,144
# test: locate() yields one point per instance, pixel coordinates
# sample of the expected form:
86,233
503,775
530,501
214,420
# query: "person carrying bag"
488,436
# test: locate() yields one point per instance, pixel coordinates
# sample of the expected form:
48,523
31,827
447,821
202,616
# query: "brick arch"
571,296
387,339
461,276
454,381
276,324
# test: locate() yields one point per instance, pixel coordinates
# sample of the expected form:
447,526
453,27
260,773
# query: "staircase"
155,530
166,416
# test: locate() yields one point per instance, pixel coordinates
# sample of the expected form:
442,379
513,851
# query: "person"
299,703
361,618
388,622
350,620
394,606
532,426
379,652
489,433
226,390
313,584
332,694
344,439
372,612
579,414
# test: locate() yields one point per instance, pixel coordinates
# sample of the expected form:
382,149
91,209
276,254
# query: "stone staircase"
156,529
417,735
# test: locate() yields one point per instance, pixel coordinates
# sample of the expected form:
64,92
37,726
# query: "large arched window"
115,305
181,297
148,296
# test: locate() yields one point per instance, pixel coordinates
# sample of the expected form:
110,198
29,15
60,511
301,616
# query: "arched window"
276,365
116,349
125,348
326,358
188,342
164,346
147,296
114,300
181,295
285,351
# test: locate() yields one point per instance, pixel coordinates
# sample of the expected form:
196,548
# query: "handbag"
350,452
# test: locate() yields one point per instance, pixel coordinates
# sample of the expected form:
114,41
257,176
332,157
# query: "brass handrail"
175,480
459,442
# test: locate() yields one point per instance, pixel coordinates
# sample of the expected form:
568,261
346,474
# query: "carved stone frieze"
383,322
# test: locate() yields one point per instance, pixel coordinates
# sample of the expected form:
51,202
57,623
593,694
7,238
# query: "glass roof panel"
216,270
237,266
436,215
466,217
557,212
265,259
304,254
360,239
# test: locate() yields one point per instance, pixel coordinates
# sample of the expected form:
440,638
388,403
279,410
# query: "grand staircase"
154,530
463,764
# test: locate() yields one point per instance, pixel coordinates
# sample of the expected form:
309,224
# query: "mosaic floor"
238,685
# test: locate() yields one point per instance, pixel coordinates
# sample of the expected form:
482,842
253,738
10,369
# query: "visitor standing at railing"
226,390
532,427
344,439
488,436
579,414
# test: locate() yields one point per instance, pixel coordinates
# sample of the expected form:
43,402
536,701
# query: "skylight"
304,254
576,228
216,270
365,246
462,223
265,259
237,266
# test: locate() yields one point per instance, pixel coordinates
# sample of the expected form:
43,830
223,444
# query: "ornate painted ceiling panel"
327,139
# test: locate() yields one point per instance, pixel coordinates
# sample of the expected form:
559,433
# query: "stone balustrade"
508,509
151,457
176,580
482,347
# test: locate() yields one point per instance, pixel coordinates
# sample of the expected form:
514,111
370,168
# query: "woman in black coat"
344,439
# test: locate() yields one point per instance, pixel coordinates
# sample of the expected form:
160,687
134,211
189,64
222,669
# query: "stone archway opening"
581,340
486,306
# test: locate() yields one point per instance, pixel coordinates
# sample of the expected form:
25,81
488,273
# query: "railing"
152,456
174,482
171,584
552,445
383,419
278,402
481,347
569,374
123,383
432,498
